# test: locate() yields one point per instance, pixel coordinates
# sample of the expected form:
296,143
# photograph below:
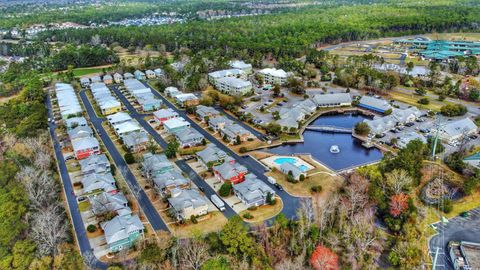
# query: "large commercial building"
274,76
233,86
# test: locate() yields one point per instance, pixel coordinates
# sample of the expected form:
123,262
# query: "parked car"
278,186
465,214
218,202
410,124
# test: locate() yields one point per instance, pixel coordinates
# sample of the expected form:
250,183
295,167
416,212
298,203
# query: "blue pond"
318,144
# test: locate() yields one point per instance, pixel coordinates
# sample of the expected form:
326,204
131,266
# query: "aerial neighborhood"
215,134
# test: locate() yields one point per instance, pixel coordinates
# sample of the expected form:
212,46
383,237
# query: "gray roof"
287,166
118,117
332,99
226,73
170,178
165,113
106,202
230,168
95,181
120,228
203,111
234,82
240,64
410,136
188,134
252,188
211,154
154,163
288,122
95,163
182,199
234,130
375,103
459,127
135,138
219,120
85,143
78,121
80,132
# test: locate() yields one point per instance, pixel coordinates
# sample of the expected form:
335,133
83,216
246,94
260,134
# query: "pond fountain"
334,149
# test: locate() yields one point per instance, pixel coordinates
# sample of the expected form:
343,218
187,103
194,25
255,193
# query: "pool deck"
270,162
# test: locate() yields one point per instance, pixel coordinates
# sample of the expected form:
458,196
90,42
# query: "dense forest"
288,33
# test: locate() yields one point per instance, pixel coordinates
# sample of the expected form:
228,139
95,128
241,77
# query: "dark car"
465,214
201,189
410,124
278,186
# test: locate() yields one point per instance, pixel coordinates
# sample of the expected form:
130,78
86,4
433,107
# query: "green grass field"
78,72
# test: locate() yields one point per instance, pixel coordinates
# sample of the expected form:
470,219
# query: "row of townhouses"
118,78
133,136
107,103
142,94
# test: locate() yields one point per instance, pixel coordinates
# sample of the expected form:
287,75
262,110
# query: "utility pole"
435,259
437,134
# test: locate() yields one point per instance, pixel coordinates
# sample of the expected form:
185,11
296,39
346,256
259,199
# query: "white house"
274,76
233,86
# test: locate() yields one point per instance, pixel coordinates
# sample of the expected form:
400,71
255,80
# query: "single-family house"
187,203
333,100
107,79
79,132
175,124
171,91
106,202
230,170
241,65
289,168
110,106
253,191
456,130
148,102
96,79
85,147
95,183
219,122
136,141
170,180
95,164
127,127
155,164
206,112
178,66
139,75
234,131
117,77
374,104
274,76
189,137
121,232
211,156
187,100
164,114
150,74
118,118
85,82
128,76
473,160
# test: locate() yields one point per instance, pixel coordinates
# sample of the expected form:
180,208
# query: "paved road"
290,203
145,204
457,229
79,228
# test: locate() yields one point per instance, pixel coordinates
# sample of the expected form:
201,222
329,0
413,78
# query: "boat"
334,149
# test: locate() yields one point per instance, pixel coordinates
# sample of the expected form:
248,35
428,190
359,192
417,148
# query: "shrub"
447,206
453,110
252,208
424,101
243,149
193,219
91,228
316,189
250,139
113,169
302,177
129,158
248,215
362,128
225,189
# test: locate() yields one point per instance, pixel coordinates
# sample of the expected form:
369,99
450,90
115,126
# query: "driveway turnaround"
145,204
456,229
290,203
77,222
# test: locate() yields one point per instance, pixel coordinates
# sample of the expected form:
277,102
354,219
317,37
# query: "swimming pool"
291,160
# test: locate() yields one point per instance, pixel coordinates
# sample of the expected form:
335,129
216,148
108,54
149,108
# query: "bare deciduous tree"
398,181
48,229
193,254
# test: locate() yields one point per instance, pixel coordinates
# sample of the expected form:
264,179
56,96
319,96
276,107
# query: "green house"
121,232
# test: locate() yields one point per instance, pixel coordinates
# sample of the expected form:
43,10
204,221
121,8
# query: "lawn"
287,137
191,150
84,206
263,212
412,100
212,222
78,72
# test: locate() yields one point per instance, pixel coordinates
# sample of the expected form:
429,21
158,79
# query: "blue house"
139,75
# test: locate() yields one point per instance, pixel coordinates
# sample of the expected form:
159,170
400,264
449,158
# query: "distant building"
85,82
139,75
374,104
128,76
107,79
333,100
233,86
227,73
67,101
274,76
455,130
171,91
187,100
158,72
118,78
247,68
96,79
150,74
